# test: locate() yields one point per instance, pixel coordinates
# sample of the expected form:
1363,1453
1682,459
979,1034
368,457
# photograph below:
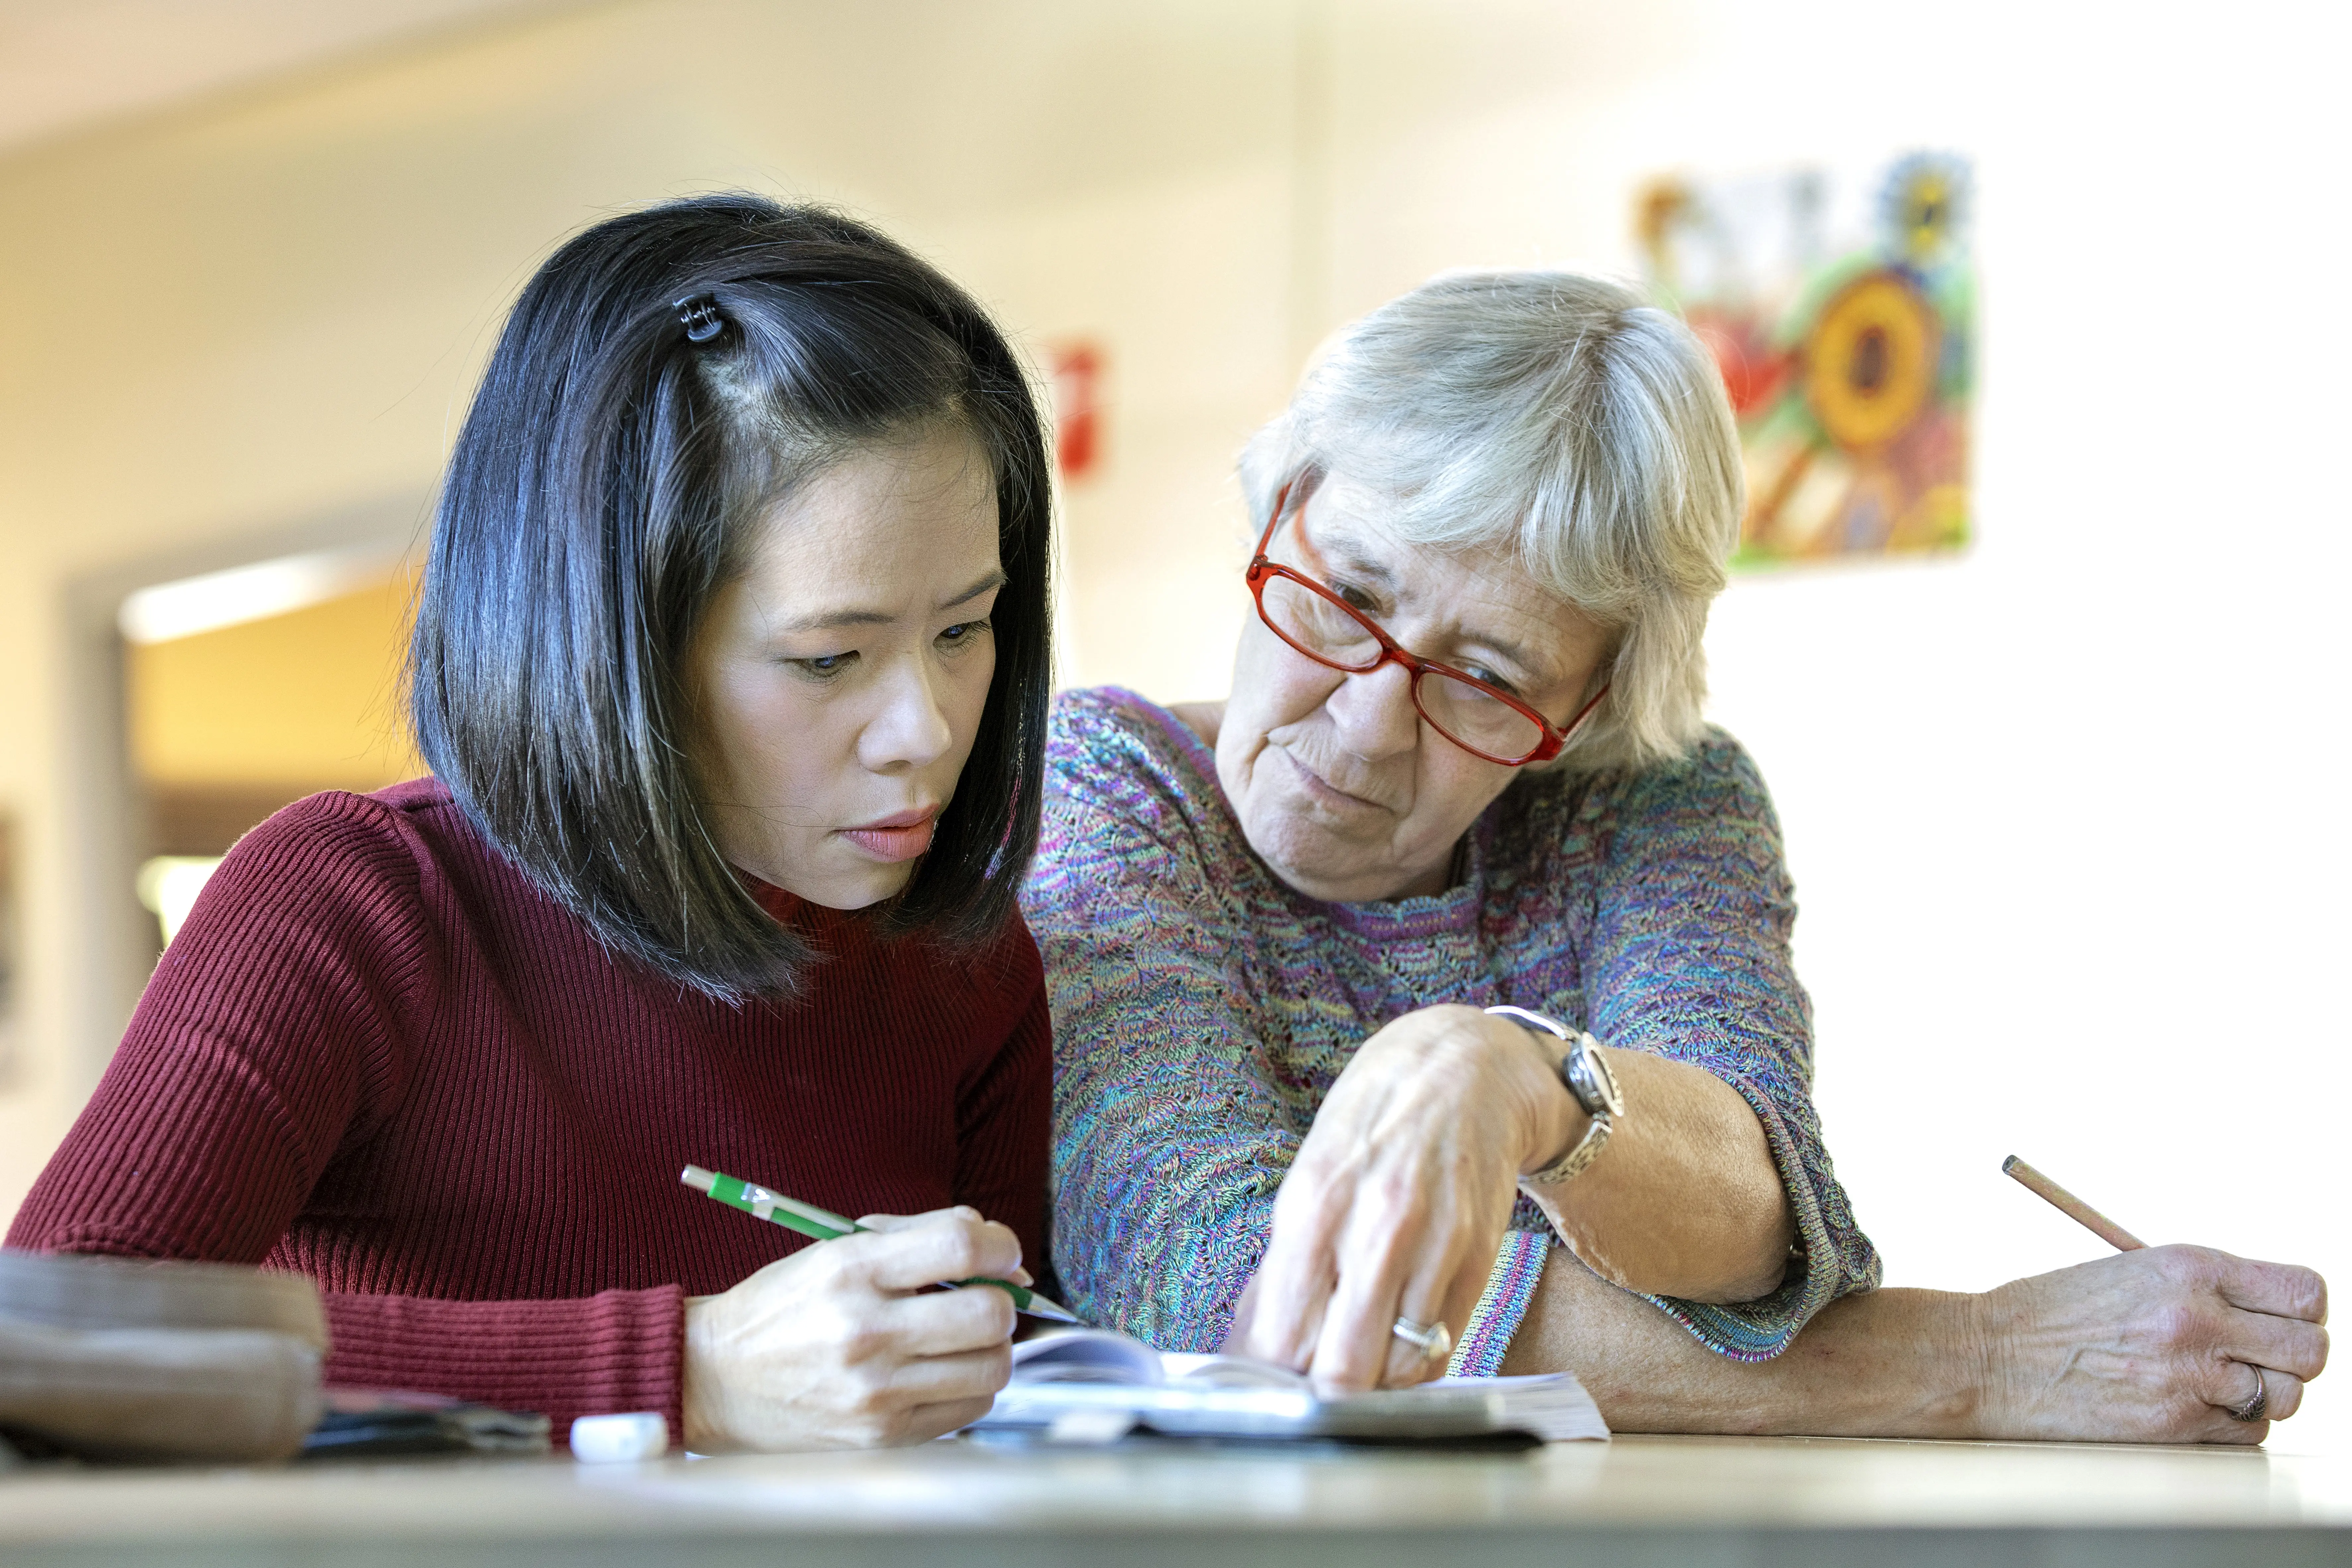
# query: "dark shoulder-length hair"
660,383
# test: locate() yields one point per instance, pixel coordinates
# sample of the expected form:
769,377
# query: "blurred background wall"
2065,811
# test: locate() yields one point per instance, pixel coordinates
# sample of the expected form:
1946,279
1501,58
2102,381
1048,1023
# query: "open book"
1092,1385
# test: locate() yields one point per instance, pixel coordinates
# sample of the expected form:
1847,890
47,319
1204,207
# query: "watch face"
1592,1069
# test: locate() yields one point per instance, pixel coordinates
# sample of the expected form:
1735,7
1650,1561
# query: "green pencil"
823,1225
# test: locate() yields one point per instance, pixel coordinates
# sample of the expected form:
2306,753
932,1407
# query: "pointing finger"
1359,1338
1294,1279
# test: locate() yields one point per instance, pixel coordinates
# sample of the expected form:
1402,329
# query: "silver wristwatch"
1586,1073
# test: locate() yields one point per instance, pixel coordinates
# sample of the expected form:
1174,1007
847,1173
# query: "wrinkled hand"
832,1347
2151,1346
1398,1199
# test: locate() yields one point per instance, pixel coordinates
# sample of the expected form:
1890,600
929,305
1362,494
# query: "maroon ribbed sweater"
377,1055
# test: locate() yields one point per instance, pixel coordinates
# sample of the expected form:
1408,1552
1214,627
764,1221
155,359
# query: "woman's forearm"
1684,1200
2154,1346
1890,1363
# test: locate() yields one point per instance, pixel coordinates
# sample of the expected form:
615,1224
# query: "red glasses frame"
1261,568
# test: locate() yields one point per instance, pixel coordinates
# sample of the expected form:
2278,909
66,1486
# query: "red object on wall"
1077,407
1753,371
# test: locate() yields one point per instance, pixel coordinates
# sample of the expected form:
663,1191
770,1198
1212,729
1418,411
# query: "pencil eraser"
620,1439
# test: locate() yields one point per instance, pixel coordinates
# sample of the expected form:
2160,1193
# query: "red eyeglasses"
1481,719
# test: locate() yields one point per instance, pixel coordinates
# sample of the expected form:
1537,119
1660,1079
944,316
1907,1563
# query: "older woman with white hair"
1428,1000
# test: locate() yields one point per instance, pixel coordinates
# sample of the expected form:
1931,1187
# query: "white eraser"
620,1439
1090,1428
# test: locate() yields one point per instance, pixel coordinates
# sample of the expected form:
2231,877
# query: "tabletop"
1651,1500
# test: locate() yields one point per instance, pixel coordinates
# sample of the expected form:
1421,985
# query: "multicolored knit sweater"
1202,1008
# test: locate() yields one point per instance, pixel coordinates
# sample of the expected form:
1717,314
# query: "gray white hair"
1559,418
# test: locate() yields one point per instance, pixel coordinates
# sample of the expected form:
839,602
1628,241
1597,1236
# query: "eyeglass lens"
1463,712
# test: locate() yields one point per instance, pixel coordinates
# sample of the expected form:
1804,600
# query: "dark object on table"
115,1358
372,1423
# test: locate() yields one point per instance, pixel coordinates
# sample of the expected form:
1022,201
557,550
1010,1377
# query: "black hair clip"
698,314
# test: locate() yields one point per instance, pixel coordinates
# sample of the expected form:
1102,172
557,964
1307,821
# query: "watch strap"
1596,1103
1570,1165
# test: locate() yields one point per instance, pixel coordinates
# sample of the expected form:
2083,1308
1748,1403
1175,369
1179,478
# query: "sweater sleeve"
270,1035
618,1351
1169,1141
1005,1114
1691,961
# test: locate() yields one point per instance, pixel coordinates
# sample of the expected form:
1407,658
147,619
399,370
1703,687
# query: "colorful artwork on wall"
1840,309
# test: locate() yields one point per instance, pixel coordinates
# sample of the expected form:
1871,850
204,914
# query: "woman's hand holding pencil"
847,1343
2161,1343
823,1225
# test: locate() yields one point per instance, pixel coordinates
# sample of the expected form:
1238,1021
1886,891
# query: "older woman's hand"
1397,1202
1400,1194
2153,1346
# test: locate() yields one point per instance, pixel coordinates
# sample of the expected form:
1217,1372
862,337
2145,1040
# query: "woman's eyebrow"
1533,668
831,619
1515,654
995,579
1344,557
1335,548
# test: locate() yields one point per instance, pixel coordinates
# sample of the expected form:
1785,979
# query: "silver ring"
2257,1407
1434,1341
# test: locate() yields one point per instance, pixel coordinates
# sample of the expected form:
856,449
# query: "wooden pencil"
2070,1205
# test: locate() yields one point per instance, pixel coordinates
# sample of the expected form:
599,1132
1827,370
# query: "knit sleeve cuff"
1759,1330
1518,1269
619,1352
